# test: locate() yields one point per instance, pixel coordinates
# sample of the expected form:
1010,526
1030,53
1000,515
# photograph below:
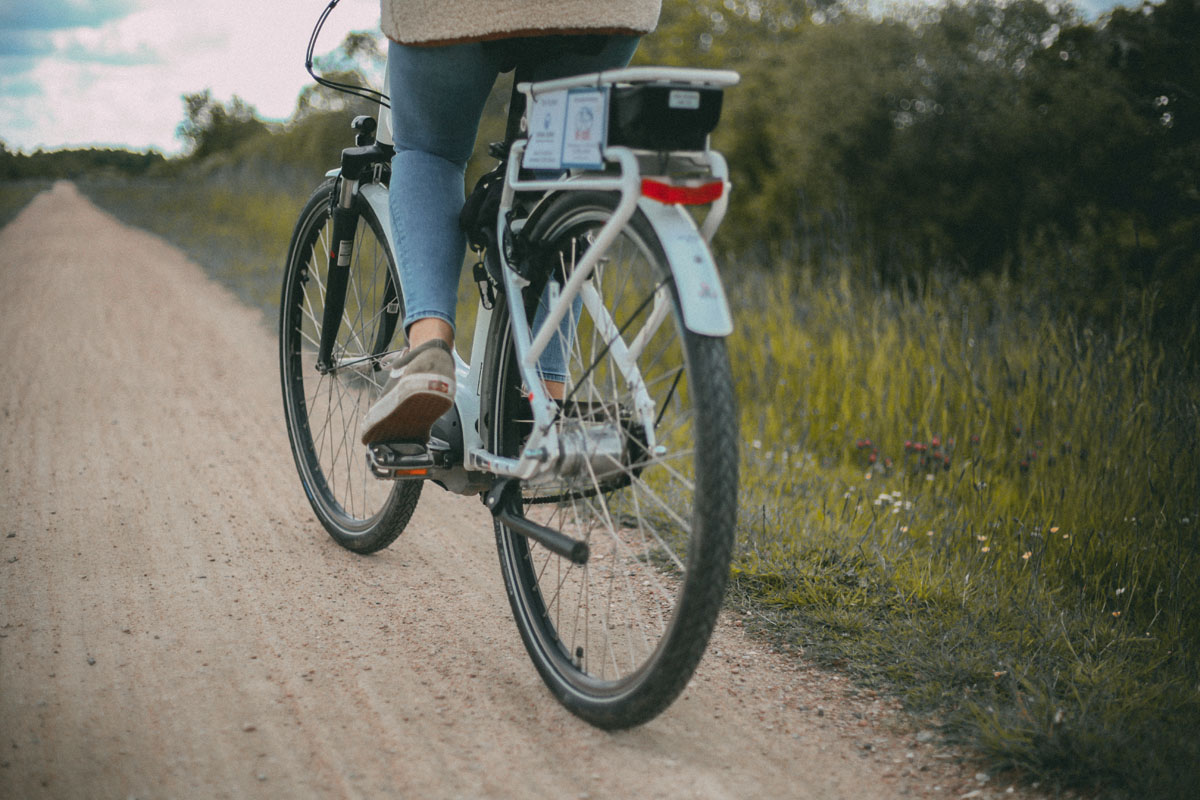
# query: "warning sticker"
567,129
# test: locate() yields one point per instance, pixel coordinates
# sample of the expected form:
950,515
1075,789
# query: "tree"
357,61
211,127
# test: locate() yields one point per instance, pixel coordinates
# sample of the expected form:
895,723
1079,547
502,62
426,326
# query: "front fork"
341,249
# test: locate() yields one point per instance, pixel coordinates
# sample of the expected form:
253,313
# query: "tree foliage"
971,135
210,126
73,163
358,61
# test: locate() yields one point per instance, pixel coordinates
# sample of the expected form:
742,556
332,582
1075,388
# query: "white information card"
567,129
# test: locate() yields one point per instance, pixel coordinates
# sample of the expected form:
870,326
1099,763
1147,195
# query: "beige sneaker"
420,388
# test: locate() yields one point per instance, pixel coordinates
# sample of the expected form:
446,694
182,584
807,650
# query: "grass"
15,195
239,235
987,506
960,493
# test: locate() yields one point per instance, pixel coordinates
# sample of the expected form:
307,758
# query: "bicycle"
614,508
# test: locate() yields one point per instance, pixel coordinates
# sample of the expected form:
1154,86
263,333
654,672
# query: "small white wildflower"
896,494
929,477
1121,591
757,444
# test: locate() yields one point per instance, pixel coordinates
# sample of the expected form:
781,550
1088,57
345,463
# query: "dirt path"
174,622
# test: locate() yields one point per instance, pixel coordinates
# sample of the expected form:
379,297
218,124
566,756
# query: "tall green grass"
15,195
238,234
989,506
959,492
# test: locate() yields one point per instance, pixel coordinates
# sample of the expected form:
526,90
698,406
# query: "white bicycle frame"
698,284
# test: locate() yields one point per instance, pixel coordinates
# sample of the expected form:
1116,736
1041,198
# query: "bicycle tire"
617,640
324,411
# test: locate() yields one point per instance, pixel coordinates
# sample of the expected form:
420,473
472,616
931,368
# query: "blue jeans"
437,99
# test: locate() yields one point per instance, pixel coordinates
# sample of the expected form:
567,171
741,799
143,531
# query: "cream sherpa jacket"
445,21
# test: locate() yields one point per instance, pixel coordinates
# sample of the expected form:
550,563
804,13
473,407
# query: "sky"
111,73
103,73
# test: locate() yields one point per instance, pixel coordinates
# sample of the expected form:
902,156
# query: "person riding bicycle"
443,59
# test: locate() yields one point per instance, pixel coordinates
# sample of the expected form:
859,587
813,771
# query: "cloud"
64,28
118,45
119,82
19,87
25,44
47,15
141,54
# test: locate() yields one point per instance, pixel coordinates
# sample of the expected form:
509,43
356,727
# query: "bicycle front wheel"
617,639
324,407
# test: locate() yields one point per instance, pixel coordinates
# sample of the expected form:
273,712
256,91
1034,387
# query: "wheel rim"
599,626
327,409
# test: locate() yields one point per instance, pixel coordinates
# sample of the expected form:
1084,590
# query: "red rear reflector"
682,195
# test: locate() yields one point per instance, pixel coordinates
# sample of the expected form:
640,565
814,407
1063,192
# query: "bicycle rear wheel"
617,639
324,408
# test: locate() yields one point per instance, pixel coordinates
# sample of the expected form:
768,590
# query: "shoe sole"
429,396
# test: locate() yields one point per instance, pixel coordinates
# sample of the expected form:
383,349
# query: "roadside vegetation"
964,256
986,505
15,195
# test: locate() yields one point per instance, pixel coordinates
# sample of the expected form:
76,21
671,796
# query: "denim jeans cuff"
414,316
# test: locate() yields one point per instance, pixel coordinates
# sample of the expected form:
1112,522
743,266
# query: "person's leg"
437,98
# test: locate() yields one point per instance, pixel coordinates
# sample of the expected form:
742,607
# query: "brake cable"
357,91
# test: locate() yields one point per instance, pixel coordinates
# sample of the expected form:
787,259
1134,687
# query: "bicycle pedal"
404,460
